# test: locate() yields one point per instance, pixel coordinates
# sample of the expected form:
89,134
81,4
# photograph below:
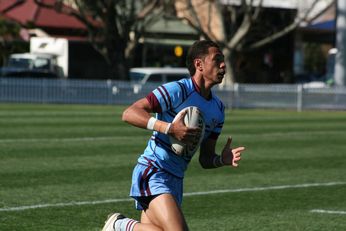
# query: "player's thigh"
164,212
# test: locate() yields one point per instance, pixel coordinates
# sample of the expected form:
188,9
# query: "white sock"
125,224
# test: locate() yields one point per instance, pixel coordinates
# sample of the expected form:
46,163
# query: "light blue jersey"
167,100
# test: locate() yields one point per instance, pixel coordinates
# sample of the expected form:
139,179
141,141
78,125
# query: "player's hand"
183,133
231,156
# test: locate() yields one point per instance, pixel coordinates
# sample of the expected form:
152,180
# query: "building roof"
287,4
27,12
329,25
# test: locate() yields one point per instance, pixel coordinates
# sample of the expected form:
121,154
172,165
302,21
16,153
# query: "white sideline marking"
265,188
328,211
73,139
73,203
25,140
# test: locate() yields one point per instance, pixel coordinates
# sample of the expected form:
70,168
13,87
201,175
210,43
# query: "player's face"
214,66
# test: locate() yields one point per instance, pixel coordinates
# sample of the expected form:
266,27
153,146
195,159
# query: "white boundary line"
309,185
30,140
73,139
107,201
328,211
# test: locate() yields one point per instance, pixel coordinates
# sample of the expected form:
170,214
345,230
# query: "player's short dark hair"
199,49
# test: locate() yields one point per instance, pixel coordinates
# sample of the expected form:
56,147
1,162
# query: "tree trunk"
229,79
117,61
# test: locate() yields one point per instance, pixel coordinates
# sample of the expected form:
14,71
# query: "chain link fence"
70,91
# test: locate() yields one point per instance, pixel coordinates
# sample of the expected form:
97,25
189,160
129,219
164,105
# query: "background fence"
69,91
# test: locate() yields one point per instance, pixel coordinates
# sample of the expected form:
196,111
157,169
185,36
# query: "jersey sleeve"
154,103
214,134
165,97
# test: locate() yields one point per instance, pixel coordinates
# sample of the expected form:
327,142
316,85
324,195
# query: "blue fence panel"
72,91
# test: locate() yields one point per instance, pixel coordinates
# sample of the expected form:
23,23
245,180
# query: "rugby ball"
192,118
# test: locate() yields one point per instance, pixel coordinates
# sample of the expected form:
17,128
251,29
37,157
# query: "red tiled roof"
26,11
7,5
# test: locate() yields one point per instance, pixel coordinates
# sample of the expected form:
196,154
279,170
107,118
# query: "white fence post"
299,97
235,95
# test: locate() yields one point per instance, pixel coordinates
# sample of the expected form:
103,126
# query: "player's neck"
204,88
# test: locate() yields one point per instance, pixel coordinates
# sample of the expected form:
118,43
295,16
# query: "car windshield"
136,76
19,62
41,63
175,77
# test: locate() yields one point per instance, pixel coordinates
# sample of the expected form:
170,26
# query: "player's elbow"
125,115
203,161
204,165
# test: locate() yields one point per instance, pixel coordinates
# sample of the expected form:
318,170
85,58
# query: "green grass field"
66,167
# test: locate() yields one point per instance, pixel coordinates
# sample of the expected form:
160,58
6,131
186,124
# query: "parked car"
157,74
30,65
141,76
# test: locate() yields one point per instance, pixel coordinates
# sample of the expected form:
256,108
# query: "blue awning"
326,25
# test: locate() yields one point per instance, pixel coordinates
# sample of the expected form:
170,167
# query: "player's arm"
139,114
209,159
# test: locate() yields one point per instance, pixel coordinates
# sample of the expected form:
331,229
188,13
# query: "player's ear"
198,64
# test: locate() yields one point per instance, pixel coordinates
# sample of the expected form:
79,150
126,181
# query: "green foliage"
53,154
8,31
8,28
314,60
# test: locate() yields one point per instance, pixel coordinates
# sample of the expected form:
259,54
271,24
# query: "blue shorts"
149,181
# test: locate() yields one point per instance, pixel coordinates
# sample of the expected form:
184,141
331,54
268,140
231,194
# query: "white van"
159,75
155,76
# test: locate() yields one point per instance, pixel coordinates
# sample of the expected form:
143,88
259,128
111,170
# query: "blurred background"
68,69
290,48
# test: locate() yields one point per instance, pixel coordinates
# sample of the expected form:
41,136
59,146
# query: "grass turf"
52,154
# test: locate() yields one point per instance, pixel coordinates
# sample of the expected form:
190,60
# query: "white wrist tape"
167,128
151,123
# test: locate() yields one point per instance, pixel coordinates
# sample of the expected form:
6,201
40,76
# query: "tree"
243,31
114,26
340,59
8,31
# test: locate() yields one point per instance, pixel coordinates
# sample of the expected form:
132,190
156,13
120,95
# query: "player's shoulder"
186,84
183,85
